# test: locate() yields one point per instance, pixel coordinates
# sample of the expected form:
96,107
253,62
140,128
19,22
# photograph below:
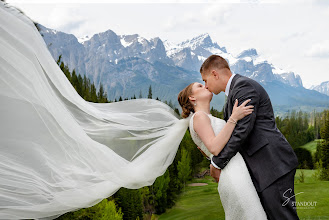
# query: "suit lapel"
225,109
229,104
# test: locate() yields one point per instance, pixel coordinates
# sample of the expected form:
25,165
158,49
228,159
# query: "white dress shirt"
227,90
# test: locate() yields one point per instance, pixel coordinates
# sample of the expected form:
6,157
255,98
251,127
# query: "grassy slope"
197,202
311,146
203,202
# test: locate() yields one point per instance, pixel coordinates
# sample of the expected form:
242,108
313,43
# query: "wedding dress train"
236,190
60,153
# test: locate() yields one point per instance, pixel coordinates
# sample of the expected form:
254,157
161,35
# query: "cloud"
294,36
209,15
319,50
187,19
321,2
66,18
217,13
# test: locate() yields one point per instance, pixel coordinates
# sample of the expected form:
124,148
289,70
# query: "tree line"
300,128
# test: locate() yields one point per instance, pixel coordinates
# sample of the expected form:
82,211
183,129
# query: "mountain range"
322,88
127,65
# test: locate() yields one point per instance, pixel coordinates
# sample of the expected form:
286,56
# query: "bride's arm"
215,144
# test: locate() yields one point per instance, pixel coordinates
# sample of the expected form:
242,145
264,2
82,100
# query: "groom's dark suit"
269,157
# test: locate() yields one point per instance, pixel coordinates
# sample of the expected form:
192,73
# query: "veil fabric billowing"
58,152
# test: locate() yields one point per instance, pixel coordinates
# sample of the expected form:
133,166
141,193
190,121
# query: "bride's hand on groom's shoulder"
241,111
215,173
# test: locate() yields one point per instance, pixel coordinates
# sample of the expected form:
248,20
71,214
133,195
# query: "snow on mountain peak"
141,40
127,40
202,37
248,53
81,40
171,48
201,40
125,43
322,88
47,30
277,70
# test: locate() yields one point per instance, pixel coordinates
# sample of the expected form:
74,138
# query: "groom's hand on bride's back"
215,173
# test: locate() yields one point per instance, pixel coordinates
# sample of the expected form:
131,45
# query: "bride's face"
200,92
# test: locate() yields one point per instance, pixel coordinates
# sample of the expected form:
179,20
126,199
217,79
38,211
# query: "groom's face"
213,81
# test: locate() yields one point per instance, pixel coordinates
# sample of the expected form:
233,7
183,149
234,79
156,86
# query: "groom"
270,159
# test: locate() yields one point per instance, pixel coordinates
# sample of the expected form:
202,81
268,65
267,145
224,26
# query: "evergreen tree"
216,113
304,156
296,129
87,89
324,147
93,93
102,211
59,60
325,129
79,85
131,203
160,187
170,104
147,198
150,93
184,169
102,96
140,94
74,79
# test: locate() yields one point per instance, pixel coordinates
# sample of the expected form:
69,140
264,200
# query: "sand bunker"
198,184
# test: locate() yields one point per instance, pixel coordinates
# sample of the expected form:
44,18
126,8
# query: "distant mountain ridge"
128,64
322,88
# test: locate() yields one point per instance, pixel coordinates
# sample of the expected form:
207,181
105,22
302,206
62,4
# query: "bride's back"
217,125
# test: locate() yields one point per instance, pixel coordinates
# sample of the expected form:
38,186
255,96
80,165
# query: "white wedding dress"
236,190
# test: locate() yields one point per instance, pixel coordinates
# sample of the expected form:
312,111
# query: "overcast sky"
293,36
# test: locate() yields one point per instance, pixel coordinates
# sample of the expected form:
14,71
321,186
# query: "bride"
237,192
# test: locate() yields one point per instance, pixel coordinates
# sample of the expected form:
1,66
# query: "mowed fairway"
311,146
203,202
197,202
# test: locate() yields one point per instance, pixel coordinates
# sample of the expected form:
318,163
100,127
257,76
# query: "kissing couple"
251,159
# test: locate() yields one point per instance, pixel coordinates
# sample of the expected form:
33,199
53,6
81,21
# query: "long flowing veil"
58,152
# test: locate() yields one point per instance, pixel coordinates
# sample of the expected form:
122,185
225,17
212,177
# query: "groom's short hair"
214,61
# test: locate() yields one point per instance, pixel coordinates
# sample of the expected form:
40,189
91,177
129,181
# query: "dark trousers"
278,199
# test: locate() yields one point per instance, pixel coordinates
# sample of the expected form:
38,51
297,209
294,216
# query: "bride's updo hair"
184,101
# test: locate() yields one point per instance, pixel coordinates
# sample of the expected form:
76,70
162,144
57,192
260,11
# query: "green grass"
312,191
197,202
203,202
311,146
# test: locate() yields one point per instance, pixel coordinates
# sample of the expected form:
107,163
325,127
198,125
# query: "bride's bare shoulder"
200,118
200,115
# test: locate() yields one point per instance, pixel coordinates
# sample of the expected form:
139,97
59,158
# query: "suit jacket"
266,152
